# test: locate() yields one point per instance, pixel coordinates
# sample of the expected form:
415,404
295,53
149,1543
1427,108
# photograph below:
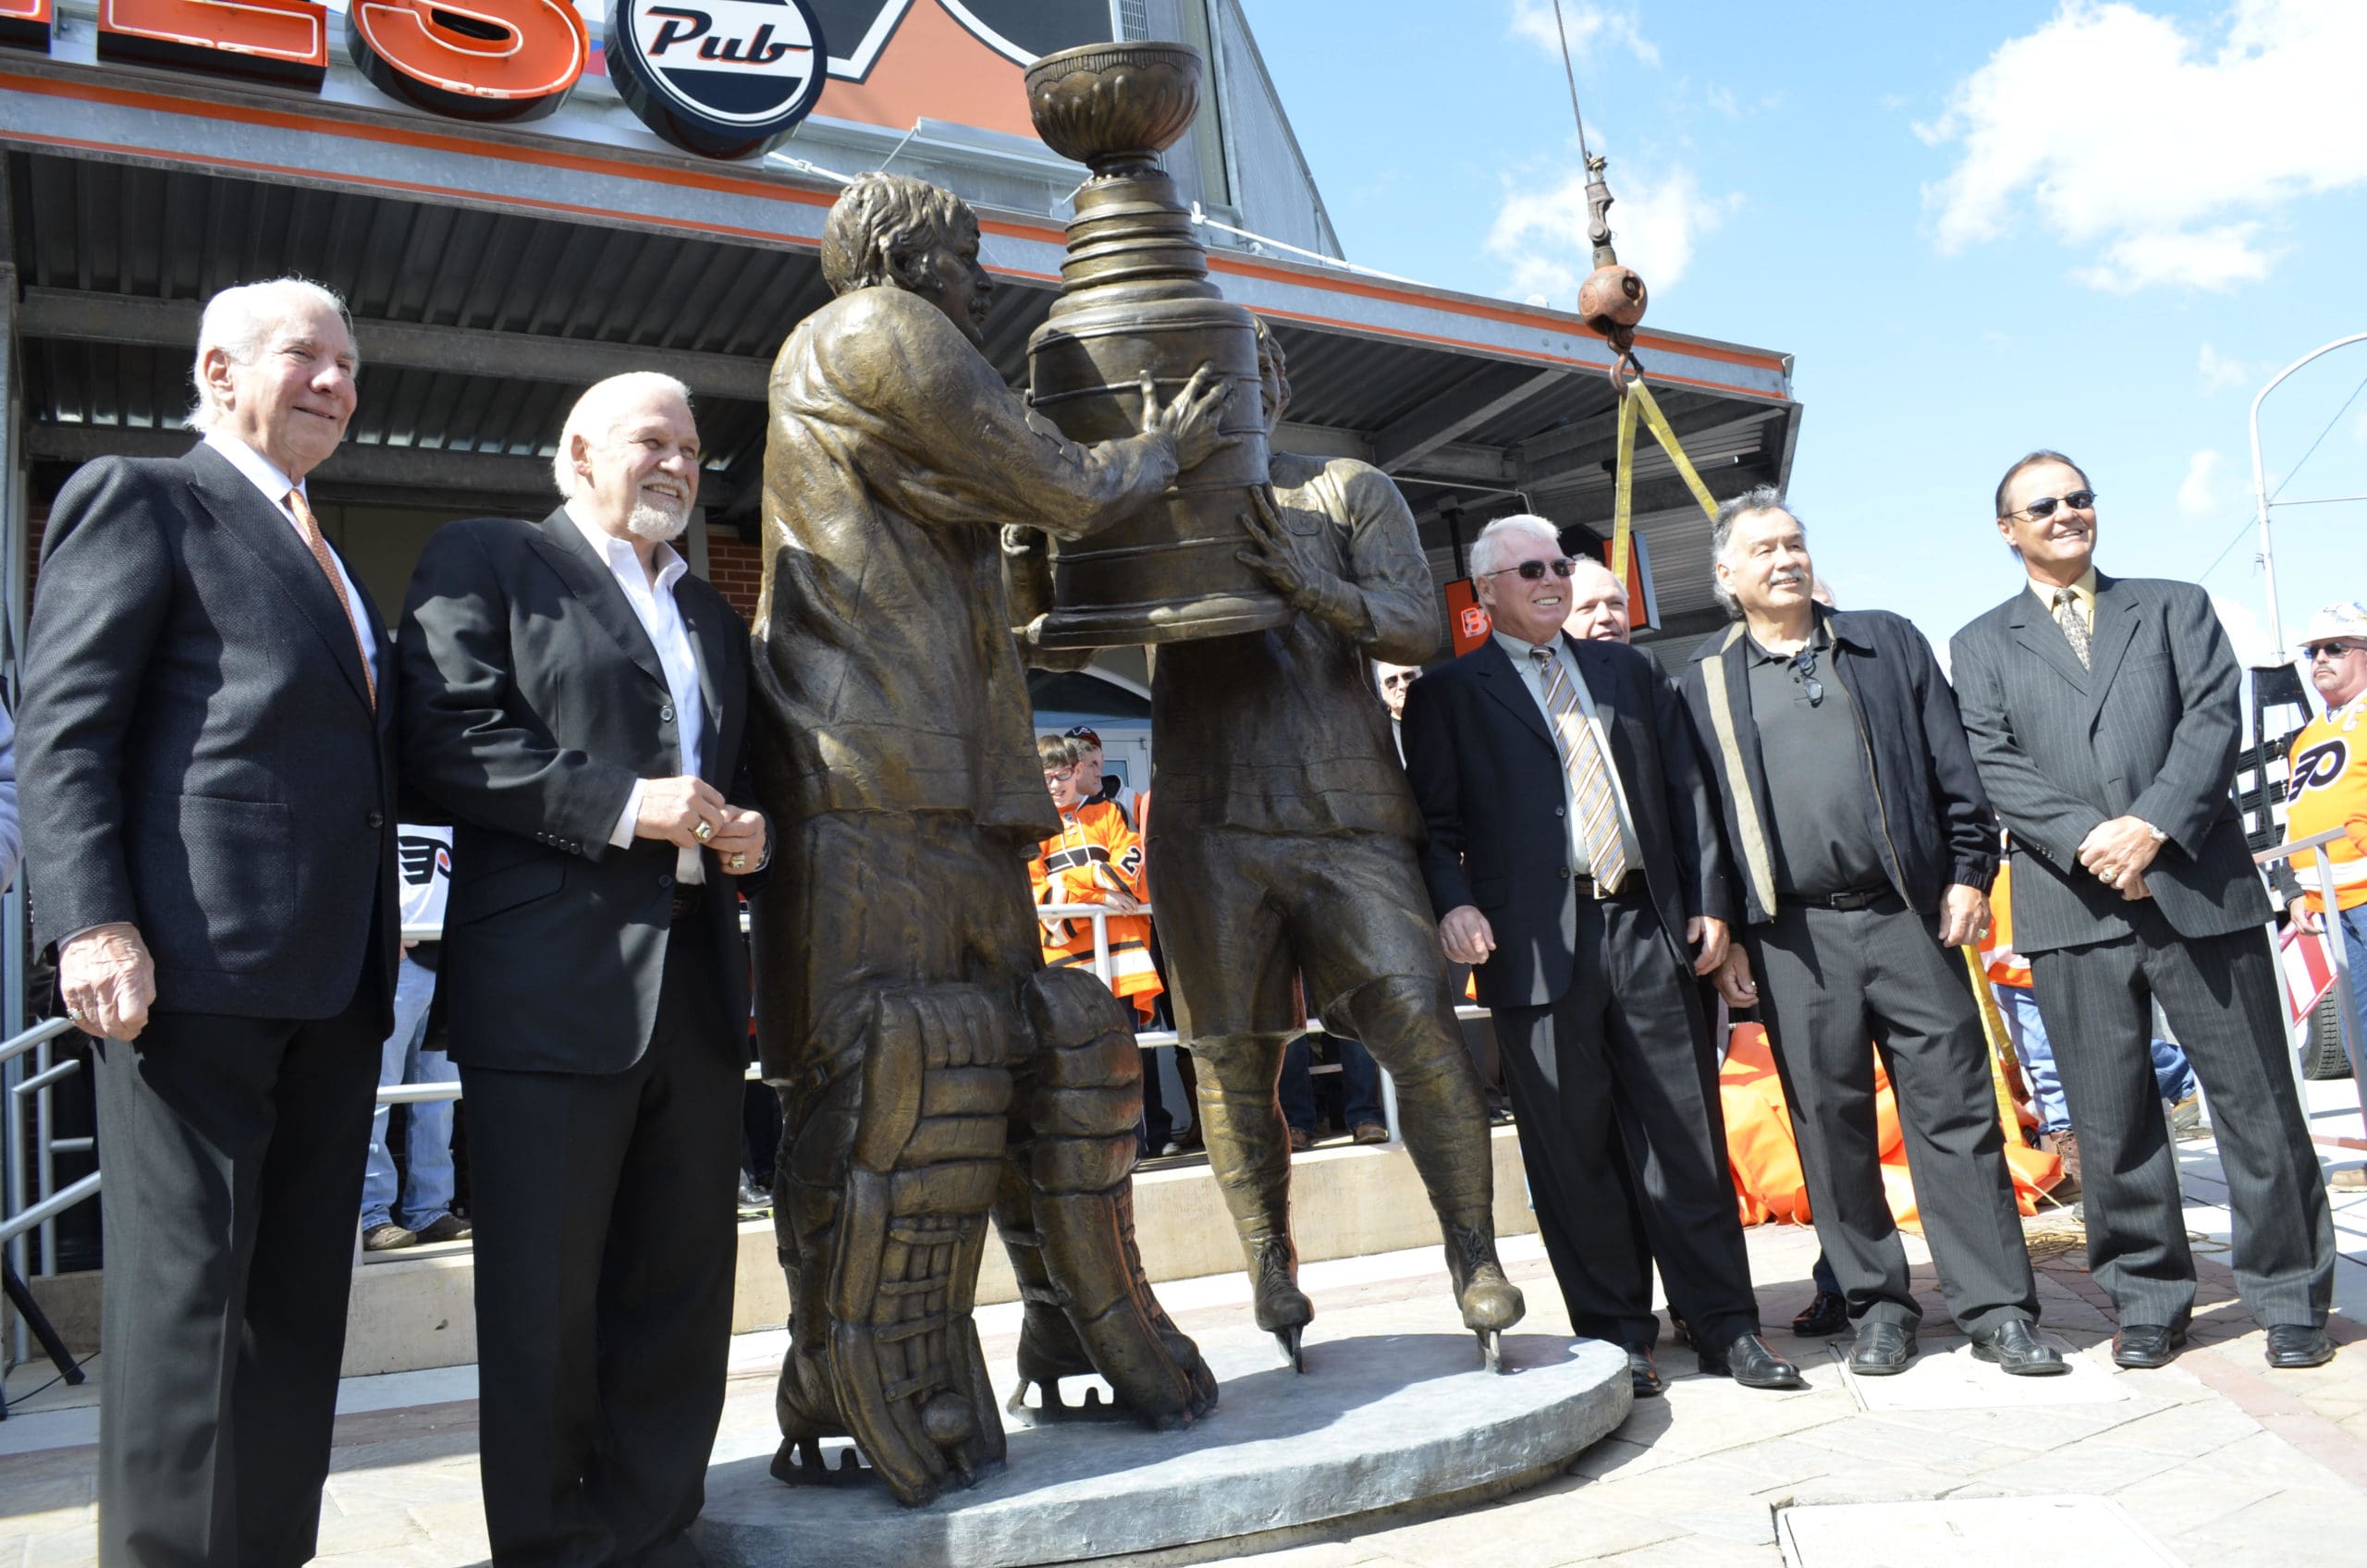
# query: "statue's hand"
1277,554
1192,419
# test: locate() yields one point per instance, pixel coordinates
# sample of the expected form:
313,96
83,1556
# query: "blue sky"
1980,229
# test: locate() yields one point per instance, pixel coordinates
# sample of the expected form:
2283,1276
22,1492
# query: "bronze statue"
929,1070
1284,843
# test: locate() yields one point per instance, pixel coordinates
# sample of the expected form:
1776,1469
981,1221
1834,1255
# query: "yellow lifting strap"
1993,1025
1636,397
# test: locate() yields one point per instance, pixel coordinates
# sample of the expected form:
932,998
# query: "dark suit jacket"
2149,731
197,751
1936,826
533,700
1489,779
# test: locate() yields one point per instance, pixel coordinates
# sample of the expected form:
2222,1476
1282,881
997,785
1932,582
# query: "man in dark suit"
578,703
209,803
2104,716
1574,858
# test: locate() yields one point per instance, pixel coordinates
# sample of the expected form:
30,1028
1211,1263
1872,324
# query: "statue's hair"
880,217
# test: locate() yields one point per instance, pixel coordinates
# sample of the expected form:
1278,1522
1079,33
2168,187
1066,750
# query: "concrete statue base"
1379,1424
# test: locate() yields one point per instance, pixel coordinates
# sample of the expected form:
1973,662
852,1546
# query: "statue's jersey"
884,656
2327,788
1282,731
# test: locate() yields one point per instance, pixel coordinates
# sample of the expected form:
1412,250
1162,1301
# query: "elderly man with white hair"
578,703
1575,859
208,791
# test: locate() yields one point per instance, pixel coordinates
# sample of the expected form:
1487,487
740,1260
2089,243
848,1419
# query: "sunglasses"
1397,681
2043,508
1534,571
1804,669
2332,650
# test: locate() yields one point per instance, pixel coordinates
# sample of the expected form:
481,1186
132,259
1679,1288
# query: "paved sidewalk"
2216,1458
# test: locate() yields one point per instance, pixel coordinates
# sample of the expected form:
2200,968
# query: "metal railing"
2338,957
41,1206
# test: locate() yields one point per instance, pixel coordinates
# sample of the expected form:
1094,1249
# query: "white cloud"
2198,495
1541,234
2220,372
2167,154
2245,632
1589,26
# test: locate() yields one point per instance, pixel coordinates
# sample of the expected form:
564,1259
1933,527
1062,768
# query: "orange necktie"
311,530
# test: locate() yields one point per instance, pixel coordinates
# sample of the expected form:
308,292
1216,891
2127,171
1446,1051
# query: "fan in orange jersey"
1094,859
2328,784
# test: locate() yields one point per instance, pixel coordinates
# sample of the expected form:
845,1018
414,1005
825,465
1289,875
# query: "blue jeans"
1360,1081
2171,1075
403,1060
2354,939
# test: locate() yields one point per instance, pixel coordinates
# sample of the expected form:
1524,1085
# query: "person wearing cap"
2104,715
2326,785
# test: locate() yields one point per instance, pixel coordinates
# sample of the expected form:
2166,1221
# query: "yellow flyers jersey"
1094,856
2326,789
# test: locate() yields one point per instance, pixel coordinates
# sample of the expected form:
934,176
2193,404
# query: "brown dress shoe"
1301,1140
446,1228
1370,1132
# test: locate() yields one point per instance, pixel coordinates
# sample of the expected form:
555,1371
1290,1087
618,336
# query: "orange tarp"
1766,1160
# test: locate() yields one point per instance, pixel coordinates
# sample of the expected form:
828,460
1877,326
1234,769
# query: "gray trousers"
2220,994
1831,983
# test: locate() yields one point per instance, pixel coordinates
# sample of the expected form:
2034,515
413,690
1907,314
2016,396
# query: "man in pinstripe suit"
2103,714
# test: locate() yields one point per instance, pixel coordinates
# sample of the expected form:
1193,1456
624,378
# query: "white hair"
1616,582
604,406
241,321
1495,541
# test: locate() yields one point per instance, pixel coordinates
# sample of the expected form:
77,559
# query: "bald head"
1598,603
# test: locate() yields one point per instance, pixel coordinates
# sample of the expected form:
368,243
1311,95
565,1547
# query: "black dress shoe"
1748,1362
1828,1314
1883,1350
2016,1350
1642,1375
2144,1346
2292,1346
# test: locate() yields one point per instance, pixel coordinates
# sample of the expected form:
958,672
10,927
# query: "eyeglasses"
1804,670
2043,508
2332,650
1405,678
1534,571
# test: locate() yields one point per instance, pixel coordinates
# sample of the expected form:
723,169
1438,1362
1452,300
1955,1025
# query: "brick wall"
738,570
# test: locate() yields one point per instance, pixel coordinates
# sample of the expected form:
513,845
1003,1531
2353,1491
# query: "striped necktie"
311,530
1592,795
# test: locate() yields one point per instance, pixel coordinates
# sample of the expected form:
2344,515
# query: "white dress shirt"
265,475
1533,679
662,618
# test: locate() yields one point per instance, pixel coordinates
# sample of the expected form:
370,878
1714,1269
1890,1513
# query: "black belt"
1587,887
1854,897
689,898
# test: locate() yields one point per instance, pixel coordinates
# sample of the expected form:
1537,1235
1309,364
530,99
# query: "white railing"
40,1207
2337,954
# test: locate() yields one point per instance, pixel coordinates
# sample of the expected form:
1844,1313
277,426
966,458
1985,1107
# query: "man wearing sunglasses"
1867,851
2326,785
2104,716
1575,859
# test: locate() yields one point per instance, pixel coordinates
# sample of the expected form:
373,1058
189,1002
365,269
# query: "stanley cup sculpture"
1136,300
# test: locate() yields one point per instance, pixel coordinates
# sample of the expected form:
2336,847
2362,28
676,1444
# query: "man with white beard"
577,703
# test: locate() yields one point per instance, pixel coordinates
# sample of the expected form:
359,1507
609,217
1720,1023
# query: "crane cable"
1634,398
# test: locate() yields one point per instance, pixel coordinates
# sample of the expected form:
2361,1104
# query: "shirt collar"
1820,639
259,470
2083,593
619,553
1520,648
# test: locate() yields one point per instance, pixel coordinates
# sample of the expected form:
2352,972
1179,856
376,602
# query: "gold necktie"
1592,795
311,530
2075,626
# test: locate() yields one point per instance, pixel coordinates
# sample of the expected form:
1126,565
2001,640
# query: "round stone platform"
1377,1423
